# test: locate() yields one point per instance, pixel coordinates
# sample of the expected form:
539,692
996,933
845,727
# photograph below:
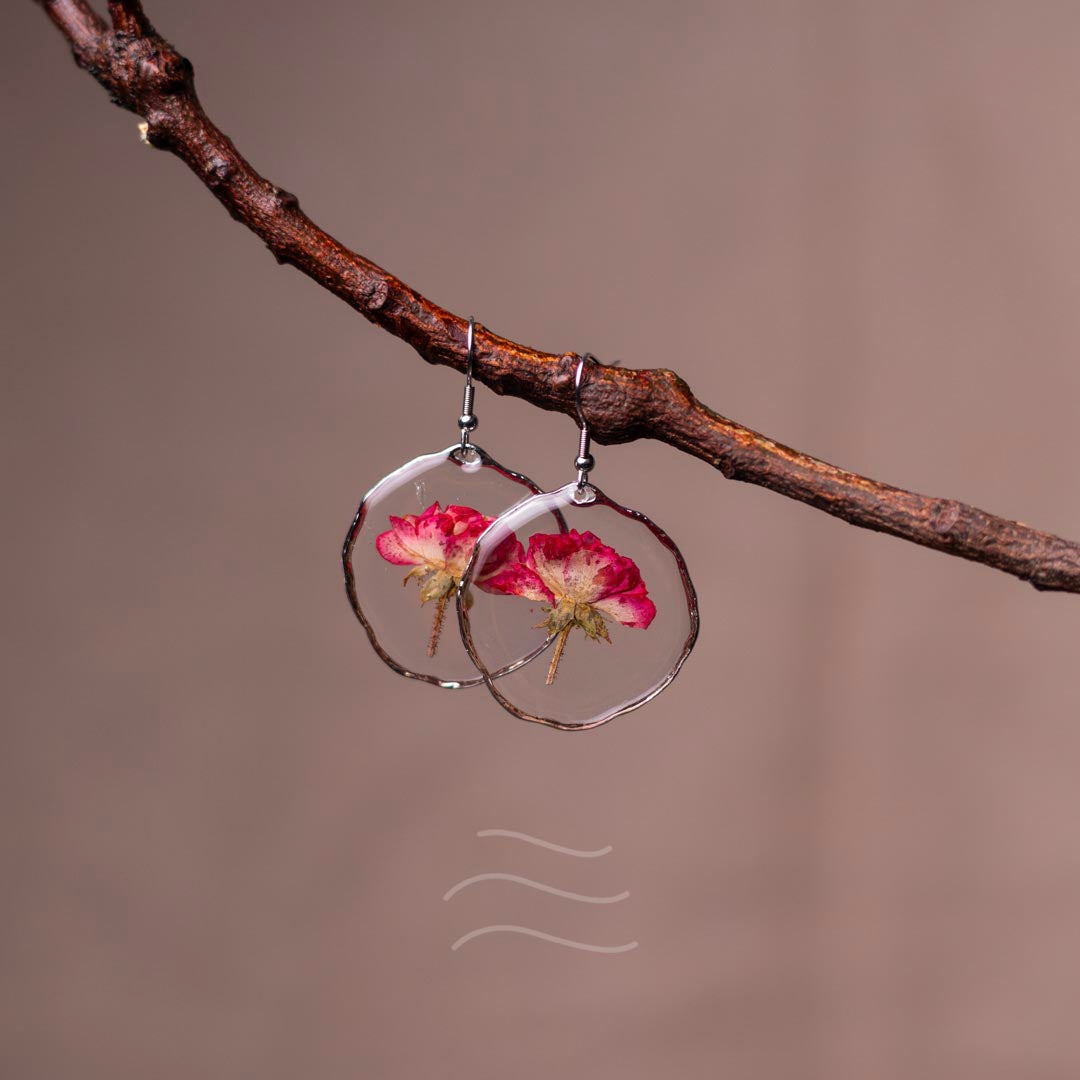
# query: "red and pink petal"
633,609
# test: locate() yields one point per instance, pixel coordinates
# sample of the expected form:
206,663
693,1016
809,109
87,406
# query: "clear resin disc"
604,610
407,550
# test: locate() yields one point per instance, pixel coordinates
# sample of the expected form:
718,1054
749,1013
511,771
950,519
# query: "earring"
609,600
422,521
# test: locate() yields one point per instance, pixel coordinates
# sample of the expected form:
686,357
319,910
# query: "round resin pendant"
604,609
407,550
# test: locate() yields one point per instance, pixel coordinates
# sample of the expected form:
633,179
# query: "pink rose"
437,545
580,580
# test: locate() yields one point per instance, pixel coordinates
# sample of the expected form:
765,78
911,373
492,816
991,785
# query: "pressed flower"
437,545
580,581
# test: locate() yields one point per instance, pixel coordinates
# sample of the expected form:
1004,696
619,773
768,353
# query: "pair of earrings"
571,608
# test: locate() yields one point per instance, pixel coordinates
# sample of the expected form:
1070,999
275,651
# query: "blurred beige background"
849,829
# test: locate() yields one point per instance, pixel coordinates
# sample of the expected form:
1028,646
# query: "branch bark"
144,74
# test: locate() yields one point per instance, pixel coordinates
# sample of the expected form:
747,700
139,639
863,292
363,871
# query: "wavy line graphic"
536,885
529,932
546,843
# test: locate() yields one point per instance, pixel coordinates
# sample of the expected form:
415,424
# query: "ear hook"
584,462
467,421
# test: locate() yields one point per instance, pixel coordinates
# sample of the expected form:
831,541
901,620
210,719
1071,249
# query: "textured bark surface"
143,73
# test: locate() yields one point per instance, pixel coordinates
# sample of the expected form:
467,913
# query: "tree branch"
144,73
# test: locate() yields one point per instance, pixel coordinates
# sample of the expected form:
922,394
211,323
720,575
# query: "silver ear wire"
584,461
467,421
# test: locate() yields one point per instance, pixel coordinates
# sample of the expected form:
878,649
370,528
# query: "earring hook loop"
471,357
584,462
467,421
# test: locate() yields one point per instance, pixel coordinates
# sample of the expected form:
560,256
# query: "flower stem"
560,644
436,629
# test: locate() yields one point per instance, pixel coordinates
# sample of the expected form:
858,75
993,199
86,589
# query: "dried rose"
580,581
437,545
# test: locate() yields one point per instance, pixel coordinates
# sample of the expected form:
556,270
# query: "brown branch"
145,74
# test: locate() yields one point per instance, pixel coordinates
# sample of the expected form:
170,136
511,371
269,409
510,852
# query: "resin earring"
409,543
605,609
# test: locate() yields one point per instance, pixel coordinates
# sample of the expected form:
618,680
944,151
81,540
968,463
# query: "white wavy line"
543,937
535,885
546,843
